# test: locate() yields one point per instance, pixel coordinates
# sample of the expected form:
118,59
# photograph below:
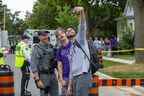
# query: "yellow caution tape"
128,50
118,51
139,49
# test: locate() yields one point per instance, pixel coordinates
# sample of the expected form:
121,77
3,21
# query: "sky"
19,5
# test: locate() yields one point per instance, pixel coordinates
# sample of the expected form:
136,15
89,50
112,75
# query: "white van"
32,33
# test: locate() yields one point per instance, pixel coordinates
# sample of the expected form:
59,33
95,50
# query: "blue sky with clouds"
20,5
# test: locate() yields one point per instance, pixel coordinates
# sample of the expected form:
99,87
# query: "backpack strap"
93,66
79,46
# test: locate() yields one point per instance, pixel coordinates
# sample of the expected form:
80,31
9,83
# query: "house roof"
128,11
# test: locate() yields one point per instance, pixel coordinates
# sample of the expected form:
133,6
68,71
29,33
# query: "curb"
119,60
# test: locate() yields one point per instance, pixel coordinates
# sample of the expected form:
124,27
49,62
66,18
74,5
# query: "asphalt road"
17,77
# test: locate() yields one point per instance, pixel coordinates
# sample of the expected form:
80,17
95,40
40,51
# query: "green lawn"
119,70
129,57
109,63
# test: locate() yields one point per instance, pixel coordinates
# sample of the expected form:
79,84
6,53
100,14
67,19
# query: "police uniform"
42,63
23,53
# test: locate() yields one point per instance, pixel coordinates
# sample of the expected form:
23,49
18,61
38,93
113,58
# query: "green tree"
8,22
51,14
65,17
101,14
18,24
14,25
44,13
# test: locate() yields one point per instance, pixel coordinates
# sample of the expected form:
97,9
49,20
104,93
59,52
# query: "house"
126,23
129,14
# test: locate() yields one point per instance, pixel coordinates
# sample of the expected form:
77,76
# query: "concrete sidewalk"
124,61
118,90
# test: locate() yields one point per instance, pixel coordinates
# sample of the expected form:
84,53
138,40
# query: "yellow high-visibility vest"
19,59
2,58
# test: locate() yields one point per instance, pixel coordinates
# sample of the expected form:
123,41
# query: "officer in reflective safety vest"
1,56
23,54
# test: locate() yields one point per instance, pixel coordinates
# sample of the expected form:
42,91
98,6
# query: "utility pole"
4,20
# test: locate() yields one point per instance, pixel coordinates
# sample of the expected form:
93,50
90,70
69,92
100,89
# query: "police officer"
43,66
23,53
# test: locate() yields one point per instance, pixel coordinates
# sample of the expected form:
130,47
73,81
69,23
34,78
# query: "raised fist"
78,9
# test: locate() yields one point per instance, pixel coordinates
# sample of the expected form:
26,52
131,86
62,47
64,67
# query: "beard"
71,36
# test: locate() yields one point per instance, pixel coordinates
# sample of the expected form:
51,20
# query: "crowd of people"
106,44
65,68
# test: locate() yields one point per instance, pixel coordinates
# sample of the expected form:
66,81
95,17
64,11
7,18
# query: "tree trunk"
139,32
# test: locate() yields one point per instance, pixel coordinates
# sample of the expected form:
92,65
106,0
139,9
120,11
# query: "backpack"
94,61
93,52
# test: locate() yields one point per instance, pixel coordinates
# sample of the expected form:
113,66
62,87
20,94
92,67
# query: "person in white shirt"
79,63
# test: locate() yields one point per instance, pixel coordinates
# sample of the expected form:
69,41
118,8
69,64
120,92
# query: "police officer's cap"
43,33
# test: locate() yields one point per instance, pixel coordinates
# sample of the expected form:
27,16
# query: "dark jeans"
65,89
114,53
51,85
25,77
81,84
